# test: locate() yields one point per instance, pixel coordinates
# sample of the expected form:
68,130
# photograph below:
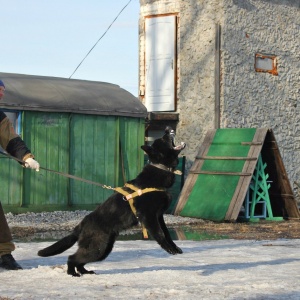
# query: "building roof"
53,94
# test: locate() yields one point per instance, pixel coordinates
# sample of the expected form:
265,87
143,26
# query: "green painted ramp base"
212,193
218,181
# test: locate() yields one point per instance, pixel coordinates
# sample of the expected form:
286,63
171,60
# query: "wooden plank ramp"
219,178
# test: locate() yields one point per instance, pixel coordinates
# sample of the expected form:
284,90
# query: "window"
15,118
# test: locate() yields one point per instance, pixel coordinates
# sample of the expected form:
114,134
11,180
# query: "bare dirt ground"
262,230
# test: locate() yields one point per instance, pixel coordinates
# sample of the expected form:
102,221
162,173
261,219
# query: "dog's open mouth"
180,147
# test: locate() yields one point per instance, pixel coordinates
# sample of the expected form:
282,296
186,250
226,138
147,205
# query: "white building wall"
248,98
252,99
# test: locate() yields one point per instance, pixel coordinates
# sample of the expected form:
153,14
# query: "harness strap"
139,192
130,196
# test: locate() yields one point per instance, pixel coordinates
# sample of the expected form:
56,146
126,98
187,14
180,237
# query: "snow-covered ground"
219,269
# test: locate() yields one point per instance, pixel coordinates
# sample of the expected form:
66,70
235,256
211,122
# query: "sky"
51,38
213,269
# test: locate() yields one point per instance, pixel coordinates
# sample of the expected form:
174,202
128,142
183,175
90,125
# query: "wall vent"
266,63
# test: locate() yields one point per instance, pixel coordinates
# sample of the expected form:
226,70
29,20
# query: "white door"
160,62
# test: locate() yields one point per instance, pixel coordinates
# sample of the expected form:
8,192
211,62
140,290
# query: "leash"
60,173
177,172
126,195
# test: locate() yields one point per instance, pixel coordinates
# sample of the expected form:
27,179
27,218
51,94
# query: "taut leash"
60,173
128,196
76,177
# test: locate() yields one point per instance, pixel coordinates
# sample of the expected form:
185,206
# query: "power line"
100,38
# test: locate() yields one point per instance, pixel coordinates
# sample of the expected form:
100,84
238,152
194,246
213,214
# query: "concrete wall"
248,98
252,99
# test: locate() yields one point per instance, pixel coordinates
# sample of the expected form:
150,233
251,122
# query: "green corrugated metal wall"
104,149
47,135
94,156
12,193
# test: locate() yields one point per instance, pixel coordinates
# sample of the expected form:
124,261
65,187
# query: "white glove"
32,164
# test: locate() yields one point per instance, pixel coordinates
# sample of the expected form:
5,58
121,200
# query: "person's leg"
6,245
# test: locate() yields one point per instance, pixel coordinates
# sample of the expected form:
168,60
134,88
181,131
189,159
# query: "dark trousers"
6,244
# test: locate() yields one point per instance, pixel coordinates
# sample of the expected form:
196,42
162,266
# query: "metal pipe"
217,75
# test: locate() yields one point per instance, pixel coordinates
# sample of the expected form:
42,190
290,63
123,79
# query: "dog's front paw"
174,250
178,250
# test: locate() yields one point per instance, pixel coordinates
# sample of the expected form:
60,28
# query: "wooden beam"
192,178
222,173
225,158
244,181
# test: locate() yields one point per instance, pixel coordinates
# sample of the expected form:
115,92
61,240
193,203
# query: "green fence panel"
94,156
47,135
11,182
132,137
86,146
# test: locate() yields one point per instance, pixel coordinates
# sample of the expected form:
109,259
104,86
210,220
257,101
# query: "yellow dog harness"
130,196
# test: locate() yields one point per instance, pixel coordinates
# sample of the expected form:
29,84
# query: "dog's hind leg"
97,250
78,260
71,268
82,270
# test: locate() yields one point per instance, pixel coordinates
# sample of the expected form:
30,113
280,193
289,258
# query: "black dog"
97,232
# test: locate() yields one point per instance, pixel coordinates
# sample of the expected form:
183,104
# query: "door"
160,45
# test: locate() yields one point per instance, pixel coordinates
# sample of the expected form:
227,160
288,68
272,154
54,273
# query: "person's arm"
13,144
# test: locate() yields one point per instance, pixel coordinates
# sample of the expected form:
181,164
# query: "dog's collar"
163,167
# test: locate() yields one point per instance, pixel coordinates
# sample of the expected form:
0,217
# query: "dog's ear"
148,149
153,154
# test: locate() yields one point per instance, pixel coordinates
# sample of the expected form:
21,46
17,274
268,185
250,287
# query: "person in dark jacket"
15,146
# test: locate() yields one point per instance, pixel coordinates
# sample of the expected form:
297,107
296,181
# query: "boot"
9,263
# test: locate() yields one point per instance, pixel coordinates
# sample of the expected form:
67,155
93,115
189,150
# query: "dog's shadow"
117,257
205,269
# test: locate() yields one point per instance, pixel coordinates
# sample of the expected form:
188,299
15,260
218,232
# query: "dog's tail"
60,246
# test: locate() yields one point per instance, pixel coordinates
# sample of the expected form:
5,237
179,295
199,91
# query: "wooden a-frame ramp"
224,168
